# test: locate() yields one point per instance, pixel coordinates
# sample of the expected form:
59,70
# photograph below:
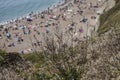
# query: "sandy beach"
27,34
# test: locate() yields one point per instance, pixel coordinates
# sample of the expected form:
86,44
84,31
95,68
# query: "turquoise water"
11,9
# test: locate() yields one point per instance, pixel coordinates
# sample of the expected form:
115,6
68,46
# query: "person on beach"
0,36
8,35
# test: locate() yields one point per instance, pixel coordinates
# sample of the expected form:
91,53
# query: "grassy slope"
109,18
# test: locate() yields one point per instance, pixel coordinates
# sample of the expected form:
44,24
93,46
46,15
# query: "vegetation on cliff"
97,58
110,18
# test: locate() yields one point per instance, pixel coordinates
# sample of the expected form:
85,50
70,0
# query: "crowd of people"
27,34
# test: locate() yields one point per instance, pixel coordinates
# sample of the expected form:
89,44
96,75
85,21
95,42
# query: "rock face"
106,6
109,4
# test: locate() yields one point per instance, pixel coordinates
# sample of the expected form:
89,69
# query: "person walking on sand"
4,45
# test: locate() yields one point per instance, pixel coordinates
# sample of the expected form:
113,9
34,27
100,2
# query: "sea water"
11,9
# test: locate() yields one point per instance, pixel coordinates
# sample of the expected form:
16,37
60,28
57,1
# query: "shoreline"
34,13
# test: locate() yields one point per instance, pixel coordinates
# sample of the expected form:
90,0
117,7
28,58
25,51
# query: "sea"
12,9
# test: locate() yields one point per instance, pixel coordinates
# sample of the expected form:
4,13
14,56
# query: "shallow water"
11,9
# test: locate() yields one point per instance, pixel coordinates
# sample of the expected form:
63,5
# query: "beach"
28,34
